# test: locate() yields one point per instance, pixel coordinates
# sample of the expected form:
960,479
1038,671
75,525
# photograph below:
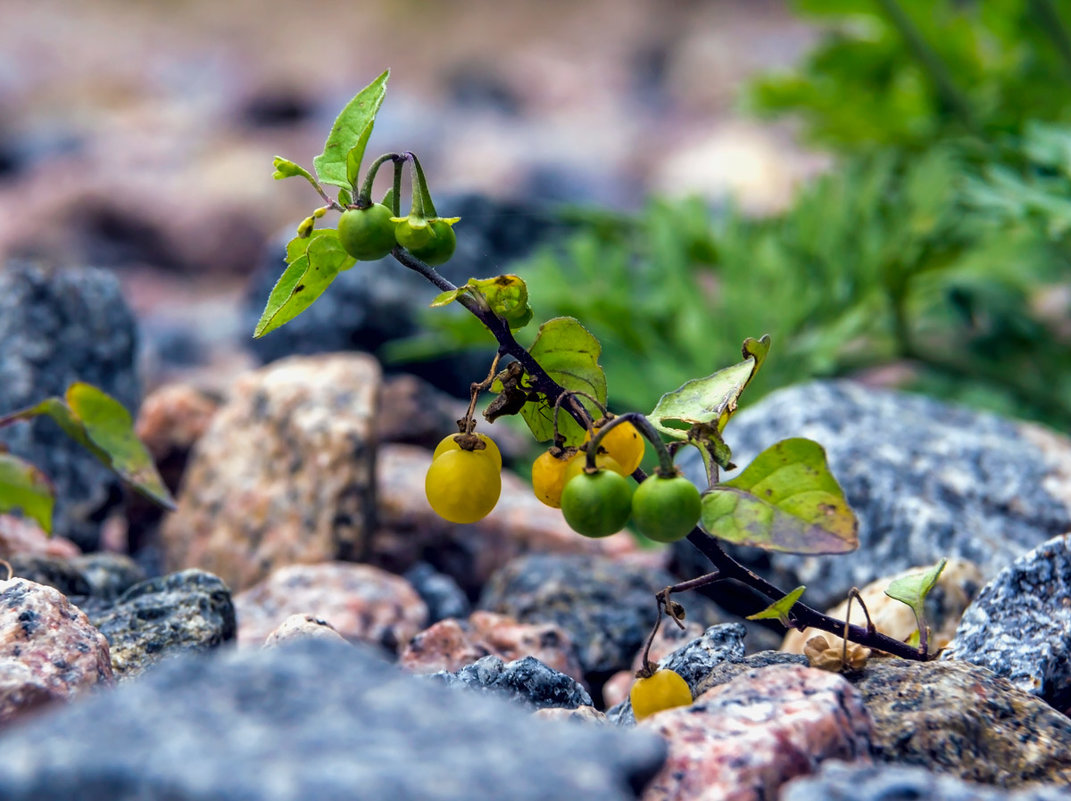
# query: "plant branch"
726,566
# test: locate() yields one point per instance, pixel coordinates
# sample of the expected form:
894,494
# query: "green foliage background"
938,244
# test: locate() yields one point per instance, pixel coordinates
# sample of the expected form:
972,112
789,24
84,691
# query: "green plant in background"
786,500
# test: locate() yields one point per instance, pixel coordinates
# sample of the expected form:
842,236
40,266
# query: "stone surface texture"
441,593
298,627
963,720
526,680
85,578
926,479
957,586
19,536
58,326
284,473
315,720
451,644
361,602
840,781
410,532
742,740
1019,626
606,606
48,649
165,616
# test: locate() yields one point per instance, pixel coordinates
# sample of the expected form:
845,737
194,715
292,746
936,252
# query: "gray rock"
57,327
526,680
1019,626
842,781
439,591
926,479
166,616
965,721
87,578
606,606
316,720
716,657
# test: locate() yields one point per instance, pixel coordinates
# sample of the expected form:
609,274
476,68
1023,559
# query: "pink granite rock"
48,648
284,472
451,644
361,602
742,740
20,536
302,627
518,525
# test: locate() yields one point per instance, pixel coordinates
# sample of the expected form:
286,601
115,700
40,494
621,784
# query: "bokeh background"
882,186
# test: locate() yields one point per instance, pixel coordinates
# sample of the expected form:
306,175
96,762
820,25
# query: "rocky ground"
302,625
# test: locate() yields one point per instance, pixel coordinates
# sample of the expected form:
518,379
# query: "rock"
442,595
19,536
361,602
298,627
284,473
926,479
316,720
583,715
97,577
839,781
963,720
525,680
48,649
958,584
744,739
416,413
367,308
716,657
1019,626
410,532
164,617
607,607
58,327
450,644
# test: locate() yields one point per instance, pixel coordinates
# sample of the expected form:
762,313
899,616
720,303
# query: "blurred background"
884,186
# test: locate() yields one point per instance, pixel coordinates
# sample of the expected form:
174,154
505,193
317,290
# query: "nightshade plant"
785,500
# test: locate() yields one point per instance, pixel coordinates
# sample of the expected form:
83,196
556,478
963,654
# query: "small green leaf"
313,264
710,400
779,609
785,500
109,430
912,590
569,353
344,148
507,295
25,488
285,168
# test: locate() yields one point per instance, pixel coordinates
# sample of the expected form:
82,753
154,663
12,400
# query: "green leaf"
710,400
340,162
507,295
779,609
103,426
569,353
313,263
25,488
785,500
912,590
109,430
285,168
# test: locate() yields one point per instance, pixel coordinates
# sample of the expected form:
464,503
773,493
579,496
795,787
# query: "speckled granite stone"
160,618
1019,626
58,326
742,740
361,602
926,479
298,627
410,532
527,681
840,781
48,649
963,720
606,606
283,474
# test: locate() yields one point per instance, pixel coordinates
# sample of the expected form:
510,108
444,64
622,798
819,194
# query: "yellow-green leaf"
24,488
785,500
506,295
340,162
779,610
913,589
